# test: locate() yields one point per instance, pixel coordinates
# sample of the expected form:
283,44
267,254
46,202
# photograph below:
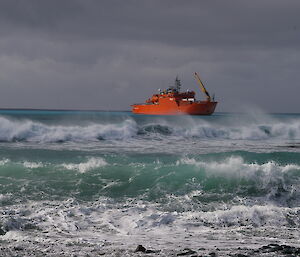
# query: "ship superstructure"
172,102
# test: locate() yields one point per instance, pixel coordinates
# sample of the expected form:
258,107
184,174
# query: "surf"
30,130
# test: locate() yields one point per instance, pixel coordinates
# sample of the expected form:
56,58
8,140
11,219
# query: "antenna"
177,84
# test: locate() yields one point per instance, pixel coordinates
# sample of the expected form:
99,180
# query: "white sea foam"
5,197
235,165
27,130
256,216
260,131
103,220
4,161
270,176
83,167
32,165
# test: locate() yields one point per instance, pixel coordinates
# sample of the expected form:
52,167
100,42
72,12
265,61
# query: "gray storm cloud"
109,54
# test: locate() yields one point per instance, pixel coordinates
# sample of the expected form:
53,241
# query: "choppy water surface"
103,182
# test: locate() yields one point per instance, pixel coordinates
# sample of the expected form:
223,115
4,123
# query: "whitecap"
4,162
83,167
235,165
32,165
241,215
27,130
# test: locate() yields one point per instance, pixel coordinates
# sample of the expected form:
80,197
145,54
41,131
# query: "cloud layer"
85,54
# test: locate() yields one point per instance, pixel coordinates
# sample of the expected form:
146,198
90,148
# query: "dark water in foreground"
107,181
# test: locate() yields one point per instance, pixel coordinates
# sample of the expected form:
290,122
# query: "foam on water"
105,219
243,132
83,167
83,185
4,161
256,216
235,165
27,130
12,130
32,165
131,222
4,197
156,179
276,182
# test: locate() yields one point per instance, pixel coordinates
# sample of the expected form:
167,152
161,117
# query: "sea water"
99,183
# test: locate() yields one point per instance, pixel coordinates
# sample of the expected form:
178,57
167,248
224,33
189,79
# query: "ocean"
88,183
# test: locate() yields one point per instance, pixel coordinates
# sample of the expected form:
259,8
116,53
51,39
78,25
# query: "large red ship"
173,102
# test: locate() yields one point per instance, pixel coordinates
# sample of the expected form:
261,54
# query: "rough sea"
75,183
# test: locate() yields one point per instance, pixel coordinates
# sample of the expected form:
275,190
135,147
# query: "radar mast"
177,84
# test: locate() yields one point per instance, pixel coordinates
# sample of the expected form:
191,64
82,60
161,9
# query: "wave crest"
83,167
29,130
241,132
235,165
278,183
256,216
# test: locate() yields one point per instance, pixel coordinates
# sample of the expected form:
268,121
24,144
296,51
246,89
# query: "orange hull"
175,108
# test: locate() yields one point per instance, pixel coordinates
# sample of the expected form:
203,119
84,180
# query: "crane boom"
203,89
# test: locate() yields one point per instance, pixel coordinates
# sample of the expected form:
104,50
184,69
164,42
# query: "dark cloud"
109,54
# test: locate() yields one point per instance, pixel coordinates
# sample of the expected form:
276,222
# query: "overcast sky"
84,54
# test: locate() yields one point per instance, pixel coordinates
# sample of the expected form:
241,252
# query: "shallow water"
104,182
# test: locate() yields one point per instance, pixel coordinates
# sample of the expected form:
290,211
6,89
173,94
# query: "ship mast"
203,89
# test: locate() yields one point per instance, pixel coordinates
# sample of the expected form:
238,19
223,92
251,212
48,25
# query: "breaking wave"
71,218
83,167
184,182
277,183
250,132
29,130
236,166
256,216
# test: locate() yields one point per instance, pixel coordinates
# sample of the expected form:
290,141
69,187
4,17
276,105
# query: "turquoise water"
115,173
